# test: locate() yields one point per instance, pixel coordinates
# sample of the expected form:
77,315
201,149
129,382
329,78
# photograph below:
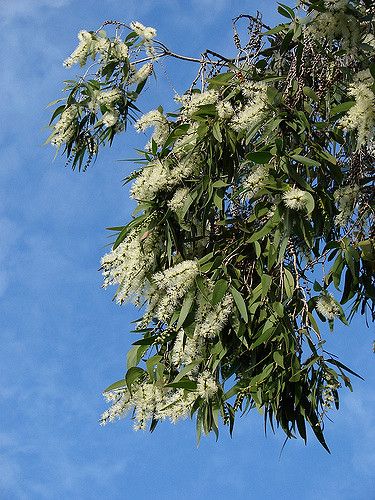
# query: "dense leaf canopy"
255,213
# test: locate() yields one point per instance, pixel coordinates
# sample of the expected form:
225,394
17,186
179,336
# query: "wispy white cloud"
14,9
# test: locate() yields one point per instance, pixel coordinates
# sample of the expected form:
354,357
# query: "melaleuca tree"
255,213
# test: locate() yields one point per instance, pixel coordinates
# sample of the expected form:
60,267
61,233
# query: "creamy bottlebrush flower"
225,110
328,395
129,264
361,116
154,119
251,90
109,97
256,181
206,385
186,142
345,199
177,405
327,306
142,74
153,179
186,349
178,199
65,128
81,53
148,401
370,146
120,50
370,40
169,288
102,45
145,32
110,118
157,177
336,24
254,110
192,102
336,5
210,322
295,199
121,404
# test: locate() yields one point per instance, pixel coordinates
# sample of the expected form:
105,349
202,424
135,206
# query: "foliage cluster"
254,219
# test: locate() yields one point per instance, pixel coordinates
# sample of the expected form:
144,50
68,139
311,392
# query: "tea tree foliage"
255,213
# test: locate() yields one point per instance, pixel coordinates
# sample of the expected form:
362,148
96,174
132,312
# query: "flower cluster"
148,401
369,39
206,385
336,25
157,120
110,118
254,110
186,142
91,44
140,75
295,199
186,349
192,102
178,199
328,396
224,110
145,32
345,199
256,181
336,5
211,321
129,264
160,176
65,128
327,306
361,117
81,53
169,288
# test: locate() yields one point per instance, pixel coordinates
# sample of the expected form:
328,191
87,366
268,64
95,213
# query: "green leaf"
187,369
135,354
266,281
264,374
278,308
185,309
266,229
288,283
120,384
151,363
266,335
240,303
259,157
286,11
306,161
342,108
133,374
343,367
276,29
279,359
217,132
310,93
184,383
222,79
310,203
205,259
220,288
219,184
301,427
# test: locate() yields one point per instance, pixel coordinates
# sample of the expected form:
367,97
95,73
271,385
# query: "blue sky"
63,340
